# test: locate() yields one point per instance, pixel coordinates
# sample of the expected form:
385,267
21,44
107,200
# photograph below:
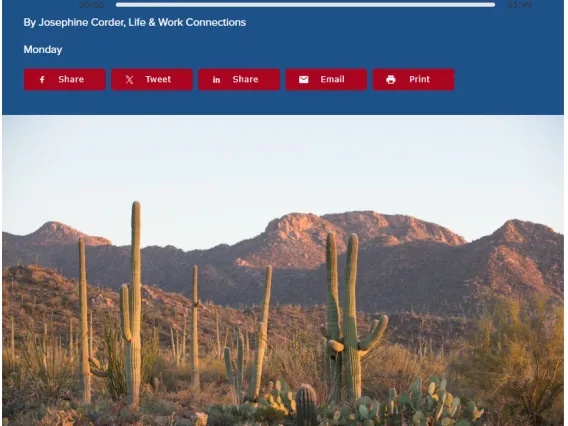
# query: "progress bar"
301,4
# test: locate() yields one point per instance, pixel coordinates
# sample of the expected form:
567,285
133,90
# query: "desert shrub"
516,359
154,404
297,361
11,362
227,415
222,418
43,360
396,366
38,373
212,370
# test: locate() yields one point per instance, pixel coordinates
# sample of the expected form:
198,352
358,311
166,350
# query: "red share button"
238,79
326,79
64,79
151,79
413,79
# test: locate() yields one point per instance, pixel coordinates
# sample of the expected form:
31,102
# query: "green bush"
516,359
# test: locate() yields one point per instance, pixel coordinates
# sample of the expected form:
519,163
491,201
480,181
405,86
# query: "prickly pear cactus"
279,397
435,407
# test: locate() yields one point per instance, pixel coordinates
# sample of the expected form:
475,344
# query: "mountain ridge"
404,262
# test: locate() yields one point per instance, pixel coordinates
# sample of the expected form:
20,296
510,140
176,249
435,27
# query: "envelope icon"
304,79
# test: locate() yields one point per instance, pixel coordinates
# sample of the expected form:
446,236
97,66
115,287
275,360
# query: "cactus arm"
98,373
371,340
95,362
269,351
324,332
125,313
335,346
96,368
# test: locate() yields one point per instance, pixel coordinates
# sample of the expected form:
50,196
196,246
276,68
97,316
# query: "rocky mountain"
404,263
51,234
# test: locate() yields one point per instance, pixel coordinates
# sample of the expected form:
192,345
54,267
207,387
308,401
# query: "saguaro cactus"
333,360
262,343
44,348
176,350
349,345
130,314
228,367
84,328
194,340
183,347
306,406
236,380
218,349
91,342
12,342
71,347
240,368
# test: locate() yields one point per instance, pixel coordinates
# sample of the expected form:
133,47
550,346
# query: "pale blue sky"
209,180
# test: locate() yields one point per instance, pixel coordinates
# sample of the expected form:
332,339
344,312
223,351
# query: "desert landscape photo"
311,271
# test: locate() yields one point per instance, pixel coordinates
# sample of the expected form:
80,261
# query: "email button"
326,79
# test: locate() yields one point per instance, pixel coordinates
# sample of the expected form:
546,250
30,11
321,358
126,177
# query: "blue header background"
506,61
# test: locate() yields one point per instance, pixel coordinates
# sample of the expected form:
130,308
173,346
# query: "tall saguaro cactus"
84,328
131,314
333,360
194,340
262,343
349,345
